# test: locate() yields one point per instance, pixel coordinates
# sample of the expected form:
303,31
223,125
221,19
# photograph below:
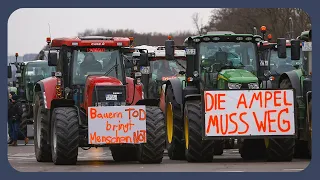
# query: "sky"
28,27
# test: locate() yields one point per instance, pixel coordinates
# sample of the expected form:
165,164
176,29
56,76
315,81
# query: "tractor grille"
244,86
109,96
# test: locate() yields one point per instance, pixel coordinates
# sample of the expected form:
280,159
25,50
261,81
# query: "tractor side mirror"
310,34
169,49
52,59
9,72
295,49
281,48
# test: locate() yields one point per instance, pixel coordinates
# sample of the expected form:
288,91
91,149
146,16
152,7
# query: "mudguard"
294,79
148,102
177,89
138,92
47,87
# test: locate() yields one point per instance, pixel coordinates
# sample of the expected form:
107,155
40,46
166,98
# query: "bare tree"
277,20
197,22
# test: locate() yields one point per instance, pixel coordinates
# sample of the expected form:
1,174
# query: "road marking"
293,169
26,144
22,154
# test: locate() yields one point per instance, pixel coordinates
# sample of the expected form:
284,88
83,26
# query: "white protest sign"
117,124
249,112
306,46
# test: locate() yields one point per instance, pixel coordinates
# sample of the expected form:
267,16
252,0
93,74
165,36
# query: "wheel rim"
38,127
169,120
186,131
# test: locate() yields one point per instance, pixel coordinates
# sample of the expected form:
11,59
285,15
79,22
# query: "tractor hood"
238,76
102,81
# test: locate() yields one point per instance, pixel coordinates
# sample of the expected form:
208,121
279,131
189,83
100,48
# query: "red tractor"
89,102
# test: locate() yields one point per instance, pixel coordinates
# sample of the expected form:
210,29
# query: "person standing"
9,116
16,113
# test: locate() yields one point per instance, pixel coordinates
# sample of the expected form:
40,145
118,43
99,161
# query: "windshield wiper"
179,64
110,70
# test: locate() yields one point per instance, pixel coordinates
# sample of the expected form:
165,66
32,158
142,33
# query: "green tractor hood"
237,76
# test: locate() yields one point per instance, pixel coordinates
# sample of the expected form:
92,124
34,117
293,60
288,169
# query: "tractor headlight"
234,85
253,86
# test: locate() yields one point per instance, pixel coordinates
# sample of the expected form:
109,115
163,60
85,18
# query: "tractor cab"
225,61
88,65
163,69
31,73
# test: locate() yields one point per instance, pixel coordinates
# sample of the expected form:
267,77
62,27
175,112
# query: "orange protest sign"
249,113
117,124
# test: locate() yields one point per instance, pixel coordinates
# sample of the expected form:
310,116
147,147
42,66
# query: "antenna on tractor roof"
49,30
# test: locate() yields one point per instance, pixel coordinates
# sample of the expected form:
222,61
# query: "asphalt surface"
22,159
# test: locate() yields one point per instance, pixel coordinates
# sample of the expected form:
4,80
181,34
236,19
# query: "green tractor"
28,74
301,80
225,63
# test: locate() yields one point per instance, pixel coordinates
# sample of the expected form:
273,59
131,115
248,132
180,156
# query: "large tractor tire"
196,149
152,151
64,136
174,123
124,153
252,149
23,123
41,130
218,147
310,129
280,149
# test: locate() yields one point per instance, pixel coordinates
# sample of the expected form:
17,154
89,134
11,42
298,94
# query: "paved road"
99,160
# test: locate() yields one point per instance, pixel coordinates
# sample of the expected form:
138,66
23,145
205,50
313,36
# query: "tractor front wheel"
280,149
196,149
24,122
64,136
174,124
41,130
152,151
123,153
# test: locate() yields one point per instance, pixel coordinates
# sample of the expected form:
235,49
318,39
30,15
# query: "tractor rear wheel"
218,147
64,136
310,129
41,130
280,149
123,153
24,122
174,123
252,149
196,149
153,150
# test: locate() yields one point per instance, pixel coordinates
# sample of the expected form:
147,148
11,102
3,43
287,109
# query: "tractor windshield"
240,55
36,71
97,61
279,66
163,68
